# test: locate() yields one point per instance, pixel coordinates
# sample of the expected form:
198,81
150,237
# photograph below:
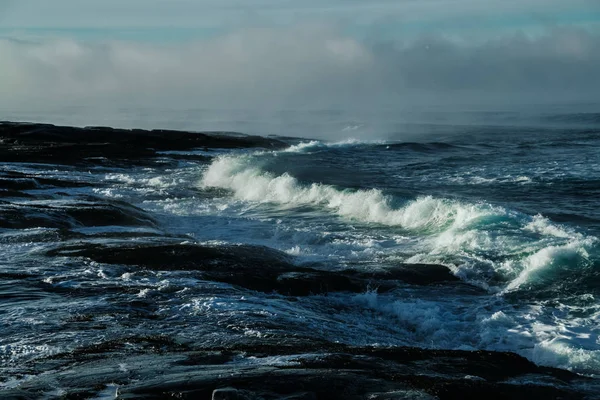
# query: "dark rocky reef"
81,212
15,184
45,143
257,268
12,180
158,367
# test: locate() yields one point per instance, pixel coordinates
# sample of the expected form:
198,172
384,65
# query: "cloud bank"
312,67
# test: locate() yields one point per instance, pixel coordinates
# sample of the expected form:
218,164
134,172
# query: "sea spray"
487,245
250,183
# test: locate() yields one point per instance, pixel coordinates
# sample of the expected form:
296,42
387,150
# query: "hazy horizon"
263,57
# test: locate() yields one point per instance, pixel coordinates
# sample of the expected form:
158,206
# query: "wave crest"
488,246
250,183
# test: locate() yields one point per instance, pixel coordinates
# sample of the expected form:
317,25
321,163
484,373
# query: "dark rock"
17,394
304,283
103,213
18,183
13,193
86,213
301,396
416,274
45,143
32,216
12,180
227,394
402,395
155,343
208,358
159,367
256,268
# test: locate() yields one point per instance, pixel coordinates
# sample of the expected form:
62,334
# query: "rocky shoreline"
165,365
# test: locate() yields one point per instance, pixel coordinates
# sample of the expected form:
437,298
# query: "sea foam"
250,183
490,246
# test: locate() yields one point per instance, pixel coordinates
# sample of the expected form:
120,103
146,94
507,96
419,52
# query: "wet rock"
85,213
183,256
301,396
402,395
20,181
105,212
45,143
13,193
415,274
17,394
159,367
262,382
256,268
228,394
304,283
32,216
155,344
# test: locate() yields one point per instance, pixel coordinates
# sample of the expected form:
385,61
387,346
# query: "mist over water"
400,123
275,78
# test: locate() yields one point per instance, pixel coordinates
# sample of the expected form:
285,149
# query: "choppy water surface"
512,212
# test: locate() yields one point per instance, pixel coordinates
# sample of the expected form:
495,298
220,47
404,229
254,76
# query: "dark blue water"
512,211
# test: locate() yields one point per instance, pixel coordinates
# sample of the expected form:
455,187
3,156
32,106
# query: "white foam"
537,332
477,180
250,183
111,391
294,251
558,353
542,225
20,351
476,240
303,146
316,144
522,179
157,182
551,257
468,179
123,178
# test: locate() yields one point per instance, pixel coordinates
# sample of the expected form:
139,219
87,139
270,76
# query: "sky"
291,54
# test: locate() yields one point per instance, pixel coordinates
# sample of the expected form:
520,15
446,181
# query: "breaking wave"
251,183
490,246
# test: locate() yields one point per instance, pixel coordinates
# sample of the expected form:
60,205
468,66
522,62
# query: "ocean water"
512,211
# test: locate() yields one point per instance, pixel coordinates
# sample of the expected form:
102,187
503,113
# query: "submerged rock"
21,181
256,268
82,212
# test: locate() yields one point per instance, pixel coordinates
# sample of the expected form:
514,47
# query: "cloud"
310,66
255,65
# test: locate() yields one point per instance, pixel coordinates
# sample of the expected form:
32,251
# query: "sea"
508,202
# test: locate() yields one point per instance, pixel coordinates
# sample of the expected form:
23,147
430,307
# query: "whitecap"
250,183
